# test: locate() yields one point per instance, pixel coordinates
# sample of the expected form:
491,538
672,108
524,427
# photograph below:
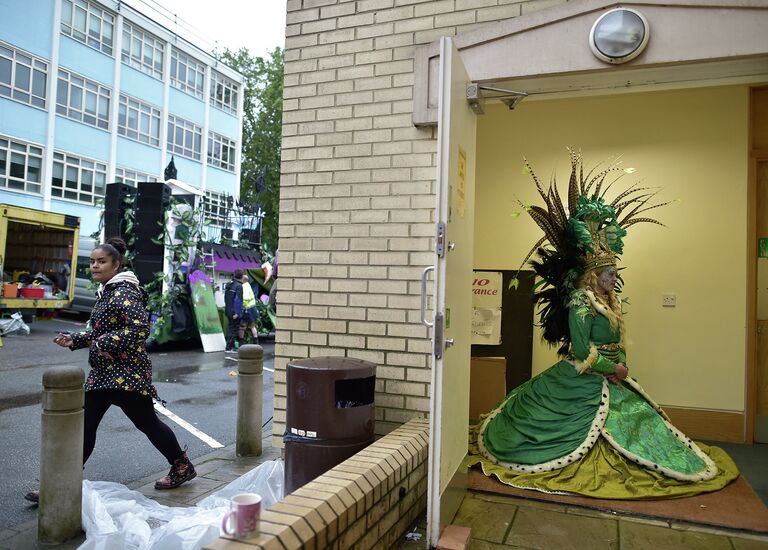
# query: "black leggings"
139,409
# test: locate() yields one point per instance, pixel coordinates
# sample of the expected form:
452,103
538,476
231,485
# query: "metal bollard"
250,397
61,455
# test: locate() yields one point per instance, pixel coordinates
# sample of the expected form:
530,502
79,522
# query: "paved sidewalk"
214,471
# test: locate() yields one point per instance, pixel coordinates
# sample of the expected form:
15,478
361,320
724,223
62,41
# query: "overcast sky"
258,25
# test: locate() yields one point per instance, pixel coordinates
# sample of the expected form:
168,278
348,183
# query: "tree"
262,131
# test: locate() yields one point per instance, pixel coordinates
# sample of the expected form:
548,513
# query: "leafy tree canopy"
262,120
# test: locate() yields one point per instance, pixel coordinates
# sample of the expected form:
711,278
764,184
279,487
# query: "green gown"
570,430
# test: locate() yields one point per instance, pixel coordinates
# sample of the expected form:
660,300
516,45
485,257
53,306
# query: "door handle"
424,275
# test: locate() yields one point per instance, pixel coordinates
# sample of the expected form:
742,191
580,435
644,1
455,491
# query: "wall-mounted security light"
619,35
476,98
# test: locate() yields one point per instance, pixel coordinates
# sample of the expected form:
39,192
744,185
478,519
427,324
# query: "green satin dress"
570,430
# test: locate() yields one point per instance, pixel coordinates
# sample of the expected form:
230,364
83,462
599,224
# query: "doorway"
757,373
664,142
686,128
699,164
761,363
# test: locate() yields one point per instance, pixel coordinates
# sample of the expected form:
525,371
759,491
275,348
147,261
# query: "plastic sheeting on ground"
13,325
116,518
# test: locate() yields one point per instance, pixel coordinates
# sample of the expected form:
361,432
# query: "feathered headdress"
584,234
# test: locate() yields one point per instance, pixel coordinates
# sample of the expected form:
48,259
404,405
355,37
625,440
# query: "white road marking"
189,427
235,360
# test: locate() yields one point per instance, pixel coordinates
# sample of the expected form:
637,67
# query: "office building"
93,92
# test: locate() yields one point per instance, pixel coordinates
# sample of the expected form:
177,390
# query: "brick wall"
357,189
368,501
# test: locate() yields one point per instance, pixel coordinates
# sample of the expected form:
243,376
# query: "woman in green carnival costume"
584,425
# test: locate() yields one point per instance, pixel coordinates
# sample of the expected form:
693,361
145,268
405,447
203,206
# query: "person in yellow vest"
250,313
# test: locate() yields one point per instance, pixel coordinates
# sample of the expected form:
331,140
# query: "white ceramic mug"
245,513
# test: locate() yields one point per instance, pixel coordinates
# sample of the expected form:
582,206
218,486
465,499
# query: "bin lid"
351,367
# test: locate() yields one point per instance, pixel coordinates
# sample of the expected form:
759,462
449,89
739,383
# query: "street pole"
250,396
61,455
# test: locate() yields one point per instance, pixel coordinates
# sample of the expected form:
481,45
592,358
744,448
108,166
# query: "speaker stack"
250,236
114,209
152,200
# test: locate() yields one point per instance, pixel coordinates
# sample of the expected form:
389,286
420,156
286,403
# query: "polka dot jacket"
118,327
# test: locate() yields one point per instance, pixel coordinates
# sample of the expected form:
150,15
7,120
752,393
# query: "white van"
85,297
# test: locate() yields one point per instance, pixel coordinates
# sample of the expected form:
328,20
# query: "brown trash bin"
329,416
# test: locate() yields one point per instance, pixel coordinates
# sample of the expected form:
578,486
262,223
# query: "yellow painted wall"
693,143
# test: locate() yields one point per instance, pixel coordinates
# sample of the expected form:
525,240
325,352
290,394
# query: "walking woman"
121,372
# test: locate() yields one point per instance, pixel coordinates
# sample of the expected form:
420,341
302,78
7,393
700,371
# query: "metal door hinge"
440,244
438,336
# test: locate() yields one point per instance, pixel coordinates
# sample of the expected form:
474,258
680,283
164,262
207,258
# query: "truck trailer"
38,258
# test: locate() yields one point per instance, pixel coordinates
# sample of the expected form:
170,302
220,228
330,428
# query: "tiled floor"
752,461
506,522
499,522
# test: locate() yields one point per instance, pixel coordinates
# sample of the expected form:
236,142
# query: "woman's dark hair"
115,247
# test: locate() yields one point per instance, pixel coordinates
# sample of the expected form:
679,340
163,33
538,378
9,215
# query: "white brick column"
357,189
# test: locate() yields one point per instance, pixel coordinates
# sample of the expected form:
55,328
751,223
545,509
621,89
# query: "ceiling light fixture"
619,35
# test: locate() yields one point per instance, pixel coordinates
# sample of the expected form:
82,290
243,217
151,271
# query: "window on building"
77,179
223,93
132,177
221,151
187,74
215,208
138,120
142,50
22,76
184,137
88,23
20,165
83,100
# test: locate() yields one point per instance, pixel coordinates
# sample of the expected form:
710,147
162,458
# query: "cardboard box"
487,384
10,290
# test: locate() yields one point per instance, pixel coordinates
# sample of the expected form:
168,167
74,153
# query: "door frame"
756,156
750,375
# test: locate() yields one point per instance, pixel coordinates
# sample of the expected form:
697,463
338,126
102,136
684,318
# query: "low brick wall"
367,501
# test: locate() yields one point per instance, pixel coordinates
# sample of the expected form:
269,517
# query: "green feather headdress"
582,234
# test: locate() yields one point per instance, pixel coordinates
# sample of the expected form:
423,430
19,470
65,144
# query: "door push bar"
424,275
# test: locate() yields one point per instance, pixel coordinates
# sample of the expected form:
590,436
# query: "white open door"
452,293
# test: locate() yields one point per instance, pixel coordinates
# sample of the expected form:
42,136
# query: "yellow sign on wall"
462,186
